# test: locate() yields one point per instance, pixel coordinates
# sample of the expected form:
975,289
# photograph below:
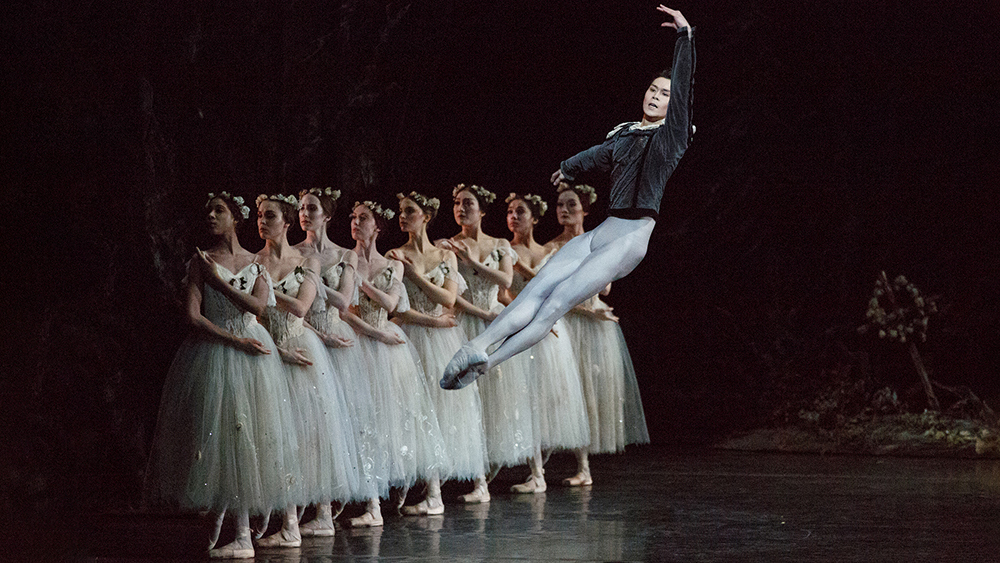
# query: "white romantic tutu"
225,436
353,379
409,445
328,452
511,431
459,412
557,392
609,384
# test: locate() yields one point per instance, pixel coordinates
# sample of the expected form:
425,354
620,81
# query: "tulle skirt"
557,391
328,452
610,389
511,427
460,412
225,436
354,379
408,441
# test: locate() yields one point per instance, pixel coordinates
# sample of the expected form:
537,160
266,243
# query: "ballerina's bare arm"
207,327
254,302
300,304
341,298
362,327
502,275
387,301
446,319
331,340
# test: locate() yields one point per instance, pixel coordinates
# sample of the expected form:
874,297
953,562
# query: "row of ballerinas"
311,377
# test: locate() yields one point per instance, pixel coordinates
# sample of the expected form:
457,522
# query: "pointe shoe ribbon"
467,365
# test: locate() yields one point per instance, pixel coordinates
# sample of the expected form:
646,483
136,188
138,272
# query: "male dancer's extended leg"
616,252
581,269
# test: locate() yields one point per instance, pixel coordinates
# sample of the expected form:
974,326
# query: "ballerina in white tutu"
610,390
432,283
225,437
486,263
328,452
408,442
337,268
555,381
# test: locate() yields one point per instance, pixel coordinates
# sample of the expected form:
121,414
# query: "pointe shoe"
233,550
426,507
367,520
321,525
479,495
317,529
533,485
467,365
581,479
281,538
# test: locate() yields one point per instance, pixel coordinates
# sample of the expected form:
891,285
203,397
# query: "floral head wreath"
537,201
478,190
289,199
328,192
580,189
238,200
377,209
423,201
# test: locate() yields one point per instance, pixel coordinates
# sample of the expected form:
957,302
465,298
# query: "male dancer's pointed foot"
467,365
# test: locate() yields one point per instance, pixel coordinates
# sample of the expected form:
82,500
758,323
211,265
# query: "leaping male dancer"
640,157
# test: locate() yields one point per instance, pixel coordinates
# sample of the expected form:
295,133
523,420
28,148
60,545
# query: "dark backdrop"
834,141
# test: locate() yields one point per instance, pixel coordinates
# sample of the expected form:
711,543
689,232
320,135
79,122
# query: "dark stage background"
835,140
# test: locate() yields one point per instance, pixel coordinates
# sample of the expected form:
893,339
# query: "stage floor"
651,504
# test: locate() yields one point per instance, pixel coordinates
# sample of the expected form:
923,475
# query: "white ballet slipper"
480,494
533,485
321,525
581,479
238,549
426,507
288,535
368,520
467,365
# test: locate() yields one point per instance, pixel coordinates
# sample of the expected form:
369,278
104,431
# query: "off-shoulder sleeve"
396,287
456,277
261,271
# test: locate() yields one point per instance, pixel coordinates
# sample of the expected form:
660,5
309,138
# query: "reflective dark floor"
653,504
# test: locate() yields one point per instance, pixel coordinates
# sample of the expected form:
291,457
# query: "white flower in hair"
532,198
423,201
580,189
377,209
289,199
480,191
244,210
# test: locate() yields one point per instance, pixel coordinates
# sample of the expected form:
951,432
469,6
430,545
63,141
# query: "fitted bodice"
518,282
483,292
420,301
320,316
221,311
369,310
281,324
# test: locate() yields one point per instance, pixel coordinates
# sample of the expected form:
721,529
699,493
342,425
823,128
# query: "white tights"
580,270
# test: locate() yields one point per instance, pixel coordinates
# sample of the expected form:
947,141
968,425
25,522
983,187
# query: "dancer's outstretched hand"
557,177
677,18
